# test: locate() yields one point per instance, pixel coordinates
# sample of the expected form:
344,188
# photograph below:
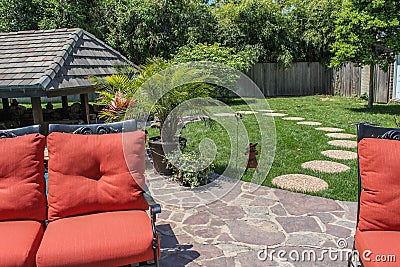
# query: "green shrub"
189,168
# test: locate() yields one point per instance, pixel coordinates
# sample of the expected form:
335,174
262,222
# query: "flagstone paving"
244,222
236,223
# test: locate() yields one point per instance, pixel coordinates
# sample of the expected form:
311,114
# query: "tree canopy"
282,31
367,32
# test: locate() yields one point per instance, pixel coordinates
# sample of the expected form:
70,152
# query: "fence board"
381,80
302,78
349,79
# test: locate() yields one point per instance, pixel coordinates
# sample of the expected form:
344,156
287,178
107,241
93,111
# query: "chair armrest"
154,207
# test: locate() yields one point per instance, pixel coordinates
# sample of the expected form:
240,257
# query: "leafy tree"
142,29
226,56
241,60
312,28
367,33
257,24
17,15
86,14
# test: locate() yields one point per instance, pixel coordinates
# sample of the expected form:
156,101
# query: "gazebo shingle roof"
53,62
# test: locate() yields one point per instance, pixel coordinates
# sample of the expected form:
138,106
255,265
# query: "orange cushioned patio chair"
97,198
377,237
22,195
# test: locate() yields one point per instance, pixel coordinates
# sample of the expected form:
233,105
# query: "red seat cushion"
92,173
103,239
22,183
19,242
380,175
376,248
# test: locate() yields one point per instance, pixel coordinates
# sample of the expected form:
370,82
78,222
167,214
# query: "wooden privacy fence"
351,80
302,78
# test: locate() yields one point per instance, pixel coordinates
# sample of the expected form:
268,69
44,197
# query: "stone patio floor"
234,223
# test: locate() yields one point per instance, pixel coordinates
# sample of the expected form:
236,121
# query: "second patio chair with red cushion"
377,237
22,195
96,198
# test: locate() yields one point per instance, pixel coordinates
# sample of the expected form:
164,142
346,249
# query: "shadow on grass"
236,101
381,109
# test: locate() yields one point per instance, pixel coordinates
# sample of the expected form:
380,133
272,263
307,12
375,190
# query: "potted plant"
189,168
161,93
156,89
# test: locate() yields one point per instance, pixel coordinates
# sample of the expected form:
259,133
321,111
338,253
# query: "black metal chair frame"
365,130
101,128
109,128
10,133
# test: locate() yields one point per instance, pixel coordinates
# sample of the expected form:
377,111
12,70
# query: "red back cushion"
22,183
90,173
380,175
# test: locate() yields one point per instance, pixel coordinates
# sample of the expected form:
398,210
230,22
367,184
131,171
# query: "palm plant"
155,88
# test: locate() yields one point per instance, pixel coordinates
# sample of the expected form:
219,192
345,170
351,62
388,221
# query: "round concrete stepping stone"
340,154
309,123
300,182
246,112
224,115
329,129
341,135
293,118
275,114
343,143
265,110
325,166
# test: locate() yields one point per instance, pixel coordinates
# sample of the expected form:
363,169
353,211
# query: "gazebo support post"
37,113
85,106
64,100
6,104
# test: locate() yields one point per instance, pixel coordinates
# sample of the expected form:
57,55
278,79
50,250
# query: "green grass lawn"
295,143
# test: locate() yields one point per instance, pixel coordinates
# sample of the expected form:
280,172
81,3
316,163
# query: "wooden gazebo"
53,63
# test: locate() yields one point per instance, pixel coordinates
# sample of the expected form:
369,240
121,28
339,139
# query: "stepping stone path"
246,112
275,114
265,110
329,129
300,182
343,143
341,135
340,154
224,115
309,123
325,166
293,118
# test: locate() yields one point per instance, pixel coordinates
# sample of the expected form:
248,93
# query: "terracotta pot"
158,150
